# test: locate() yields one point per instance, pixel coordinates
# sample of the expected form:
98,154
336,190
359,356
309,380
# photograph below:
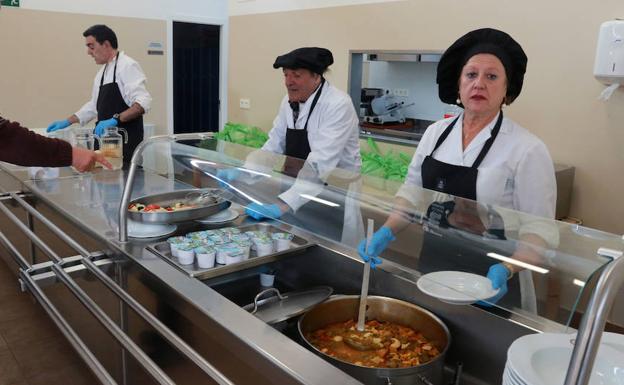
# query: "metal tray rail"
117,331
163,250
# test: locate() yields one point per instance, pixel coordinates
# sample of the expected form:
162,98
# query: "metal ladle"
365,279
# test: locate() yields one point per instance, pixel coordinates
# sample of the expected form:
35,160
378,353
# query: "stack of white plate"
543,359
149,230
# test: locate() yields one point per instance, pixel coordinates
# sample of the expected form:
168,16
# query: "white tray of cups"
209,253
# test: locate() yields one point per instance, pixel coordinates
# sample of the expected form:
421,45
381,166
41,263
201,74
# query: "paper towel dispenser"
609,64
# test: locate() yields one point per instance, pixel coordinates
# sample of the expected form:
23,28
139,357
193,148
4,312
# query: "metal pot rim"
393,371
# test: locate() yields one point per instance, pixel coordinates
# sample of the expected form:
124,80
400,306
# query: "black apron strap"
446,133
114,71
314,101
488,144
103,73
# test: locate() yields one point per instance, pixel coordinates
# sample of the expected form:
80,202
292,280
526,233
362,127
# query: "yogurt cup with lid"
205,256
281,241
186,253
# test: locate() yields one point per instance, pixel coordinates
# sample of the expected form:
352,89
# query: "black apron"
109,103
297,143
442,250
313,216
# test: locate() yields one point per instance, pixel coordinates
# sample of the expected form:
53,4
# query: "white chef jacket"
516,173
333,134
131,81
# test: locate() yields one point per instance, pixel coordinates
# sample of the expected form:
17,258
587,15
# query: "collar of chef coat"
477,142
304,108
110,66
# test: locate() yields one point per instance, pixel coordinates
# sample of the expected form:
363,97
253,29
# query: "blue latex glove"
378,244
258,211
103,124
498,274
227,175
58,125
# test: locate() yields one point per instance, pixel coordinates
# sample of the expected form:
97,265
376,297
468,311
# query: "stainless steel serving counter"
90,201
218,342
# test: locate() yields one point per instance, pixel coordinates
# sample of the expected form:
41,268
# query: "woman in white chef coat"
317,128
479,155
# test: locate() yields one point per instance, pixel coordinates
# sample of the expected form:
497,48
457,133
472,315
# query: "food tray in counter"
211,201
163,250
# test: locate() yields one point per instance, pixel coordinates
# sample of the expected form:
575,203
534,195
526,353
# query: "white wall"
149,9
247,7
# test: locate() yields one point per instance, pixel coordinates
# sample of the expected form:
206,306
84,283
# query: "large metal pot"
343,308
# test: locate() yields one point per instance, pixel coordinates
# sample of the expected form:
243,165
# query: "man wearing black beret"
316,124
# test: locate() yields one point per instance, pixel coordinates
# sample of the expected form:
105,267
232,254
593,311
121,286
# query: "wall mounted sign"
155,48
10,3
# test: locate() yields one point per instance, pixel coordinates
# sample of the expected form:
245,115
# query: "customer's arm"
23,147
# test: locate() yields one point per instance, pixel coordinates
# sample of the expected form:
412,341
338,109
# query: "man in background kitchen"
316,123
119,97
478,156
23,147
317,128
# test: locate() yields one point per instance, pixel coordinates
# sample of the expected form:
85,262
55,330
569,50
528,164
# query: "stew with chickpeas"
380,345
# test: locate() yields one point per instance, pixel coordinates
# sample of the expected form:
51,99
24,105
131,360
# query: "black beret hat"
311,58
485,40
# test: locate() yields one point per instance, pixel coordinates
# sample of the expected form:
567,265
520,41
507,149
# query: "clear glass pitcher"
83,137
111,145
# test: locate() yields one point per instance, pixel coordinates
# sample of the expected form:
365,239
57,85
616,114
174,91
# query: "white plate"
508,379
456,287
143,230
222,216
541,359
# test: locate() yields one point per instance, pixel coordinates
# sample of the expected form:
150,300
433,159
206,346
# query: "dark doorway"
195,77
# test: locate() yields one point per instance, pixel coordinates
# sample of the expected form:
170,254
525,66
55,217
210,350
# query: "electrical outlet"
245,104
400,92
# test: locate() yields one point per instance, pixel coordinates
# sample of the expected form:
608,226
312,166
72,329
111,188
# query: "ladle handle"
365,279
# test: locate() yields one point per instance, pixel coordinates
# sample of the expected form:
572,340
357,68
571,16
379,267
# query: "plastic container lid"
281,307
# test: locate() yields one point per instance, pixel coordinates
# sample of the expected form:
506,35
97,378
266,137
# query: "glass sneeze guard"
556,261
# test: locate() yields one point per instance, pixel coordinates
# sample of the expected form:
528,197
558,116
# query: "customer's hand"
85,160
378,244
258,211
58,125
498,274
102,125
227,175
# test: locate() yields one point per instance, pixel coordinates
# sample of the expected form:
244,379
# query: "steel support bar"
175,341
81,348
593,323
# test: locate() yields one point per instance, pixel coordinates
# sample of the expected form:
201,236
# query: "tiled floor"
32,349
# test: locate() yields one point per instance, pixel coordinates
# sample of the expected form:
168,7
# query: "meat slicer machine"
383,108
